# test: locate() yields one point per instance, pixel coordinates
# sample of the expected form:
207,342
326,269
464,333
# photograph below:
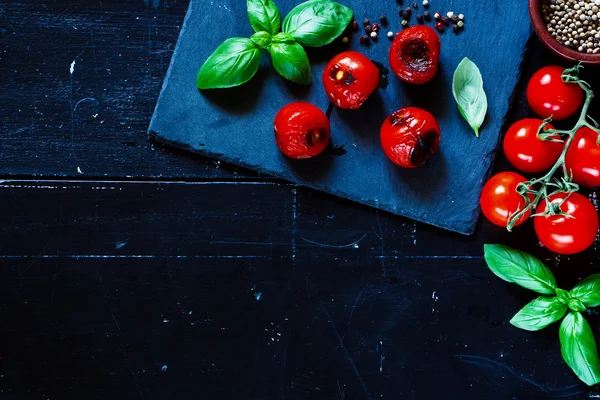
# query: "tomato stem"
539,186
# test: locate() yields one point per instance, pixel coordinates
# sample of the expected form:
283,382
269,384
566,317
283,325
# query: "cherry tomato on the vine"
349,79
414,55
567,235
549,96
410,136
526,151
499,198
301,130
583,158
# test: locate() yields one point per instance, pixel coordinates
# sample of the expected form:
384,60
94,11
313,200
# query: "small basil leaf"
262,39
578,348
316,23
540,313
520,268
283,37
291,61
233,63
576,305
467,87
588,291
563,296
264,16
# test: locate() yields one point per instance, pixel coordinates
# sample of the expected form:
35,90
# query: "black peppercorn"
420,19
366,22
355,26
383,19
364,40
414,5
454,19
408,10
368,29
445,20
455,28
427,16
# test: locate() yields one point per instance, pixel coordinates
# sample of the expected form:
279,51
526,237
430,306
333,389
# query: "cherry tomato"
499,198
583,158
301,130
415,53
568,235
525,151
548,95
410,136
349,79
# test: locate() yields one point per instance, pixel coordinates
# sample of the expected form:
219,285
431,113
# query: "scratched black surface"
152,275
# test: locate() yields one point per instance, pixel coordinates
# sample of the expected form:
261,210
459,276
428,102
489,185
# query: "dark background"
130,271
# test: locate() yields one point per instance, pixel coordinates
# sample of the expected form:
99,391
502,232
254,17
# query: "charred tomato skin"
301,130
349,79
410,136
414,55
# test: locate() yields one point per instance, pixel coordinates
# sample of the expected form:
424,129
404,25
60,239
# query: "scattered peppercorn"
364,40
460,24
345,39
437,16
366,22
449,14
390,34
454,19
420,19
461,16
355,26
408,10
415,6
368,29
404,23
427,16
439,26
374,35
383,19
455,27
375,27
445,20
425,3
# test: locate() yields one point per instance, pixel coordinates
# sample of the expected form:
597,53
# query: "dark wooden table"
130,271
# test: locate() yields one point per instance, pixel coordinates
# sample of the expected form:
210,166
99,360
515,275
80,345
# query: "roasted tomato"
500,199
349,79
583,158
301,130
549,96
414,55
526,151
410,136
567,235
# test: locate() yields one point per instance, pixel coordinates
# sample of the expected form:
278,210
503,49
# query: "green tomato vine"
550,184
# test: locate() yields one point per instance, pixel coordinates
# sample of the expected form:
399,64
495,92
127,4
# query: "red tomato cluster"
409,136
548,96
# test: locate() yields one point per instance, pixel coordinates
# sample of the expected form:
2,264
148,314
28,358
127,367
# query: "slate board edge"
154,135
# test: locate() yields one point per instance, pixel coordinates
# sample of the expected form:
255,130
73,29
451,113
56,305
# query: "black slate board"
235,125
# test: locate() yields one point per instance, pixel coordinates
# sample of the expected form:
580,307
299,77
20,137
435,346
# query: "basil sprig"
577,343
314,23
467,88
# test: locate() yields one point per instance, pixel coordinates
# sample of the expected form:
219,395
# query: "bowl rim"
540,28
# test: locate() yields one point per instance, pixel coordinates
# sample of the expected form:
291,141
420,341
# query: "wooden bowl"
539,26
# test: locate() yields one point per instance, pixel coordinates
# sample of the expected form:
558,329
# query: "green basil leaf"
264,16
540,313
588,291
467,87
262,39
520,268
576,305
316,23
283,37
563,296
233,63
291,61
578,348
